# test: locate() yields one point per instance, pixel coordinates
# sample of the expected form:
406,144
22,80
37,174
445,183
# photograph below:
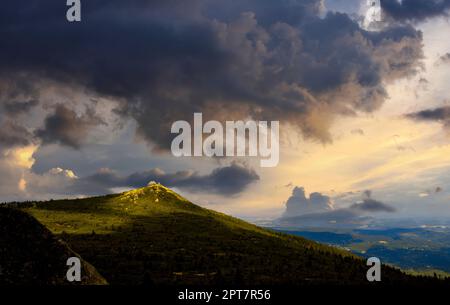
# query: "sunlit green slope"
154,236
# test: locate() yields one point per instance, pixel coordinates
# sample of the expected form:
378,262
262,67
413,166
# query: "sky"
86,107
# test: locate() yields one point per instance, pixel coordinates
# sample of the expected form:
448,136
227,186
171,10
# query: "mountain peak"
155,193
152,189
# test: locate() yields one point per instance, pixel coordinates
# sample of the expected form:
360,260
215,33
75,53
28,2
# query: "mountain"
31,254
154,236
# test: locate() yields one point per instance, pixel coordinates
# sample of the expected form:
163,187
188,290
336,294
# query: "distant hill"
154,236
31,254
417,250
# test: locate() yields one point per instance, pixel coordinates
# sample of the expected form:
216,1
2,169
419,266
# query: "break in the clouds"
440,114
160,61
415,10
227,180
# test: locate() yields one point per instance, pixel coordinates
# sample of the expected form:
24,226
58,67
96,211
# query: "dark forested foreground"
31,254
155,237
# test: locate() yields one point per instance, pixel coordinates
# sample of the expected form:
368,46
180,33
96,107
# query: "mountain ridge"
153,235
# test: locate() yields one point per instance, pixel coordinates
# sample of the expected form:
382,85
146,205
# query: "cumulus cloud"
57,171
275,60
415,10
15,163
55,183
299,204
323,213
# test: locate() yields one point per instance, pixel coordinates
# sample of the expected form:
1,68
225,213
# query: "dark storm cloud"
268,12
164,60
19,107
17,99
66,127
440,114
229,180
415,10
12,135
371,205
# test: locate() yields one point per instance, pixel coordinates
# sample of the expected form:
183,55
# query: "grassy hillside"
154,236
31,254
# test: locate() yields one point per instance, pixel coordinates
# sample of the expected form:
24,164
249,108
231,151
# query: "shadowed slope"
30,254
